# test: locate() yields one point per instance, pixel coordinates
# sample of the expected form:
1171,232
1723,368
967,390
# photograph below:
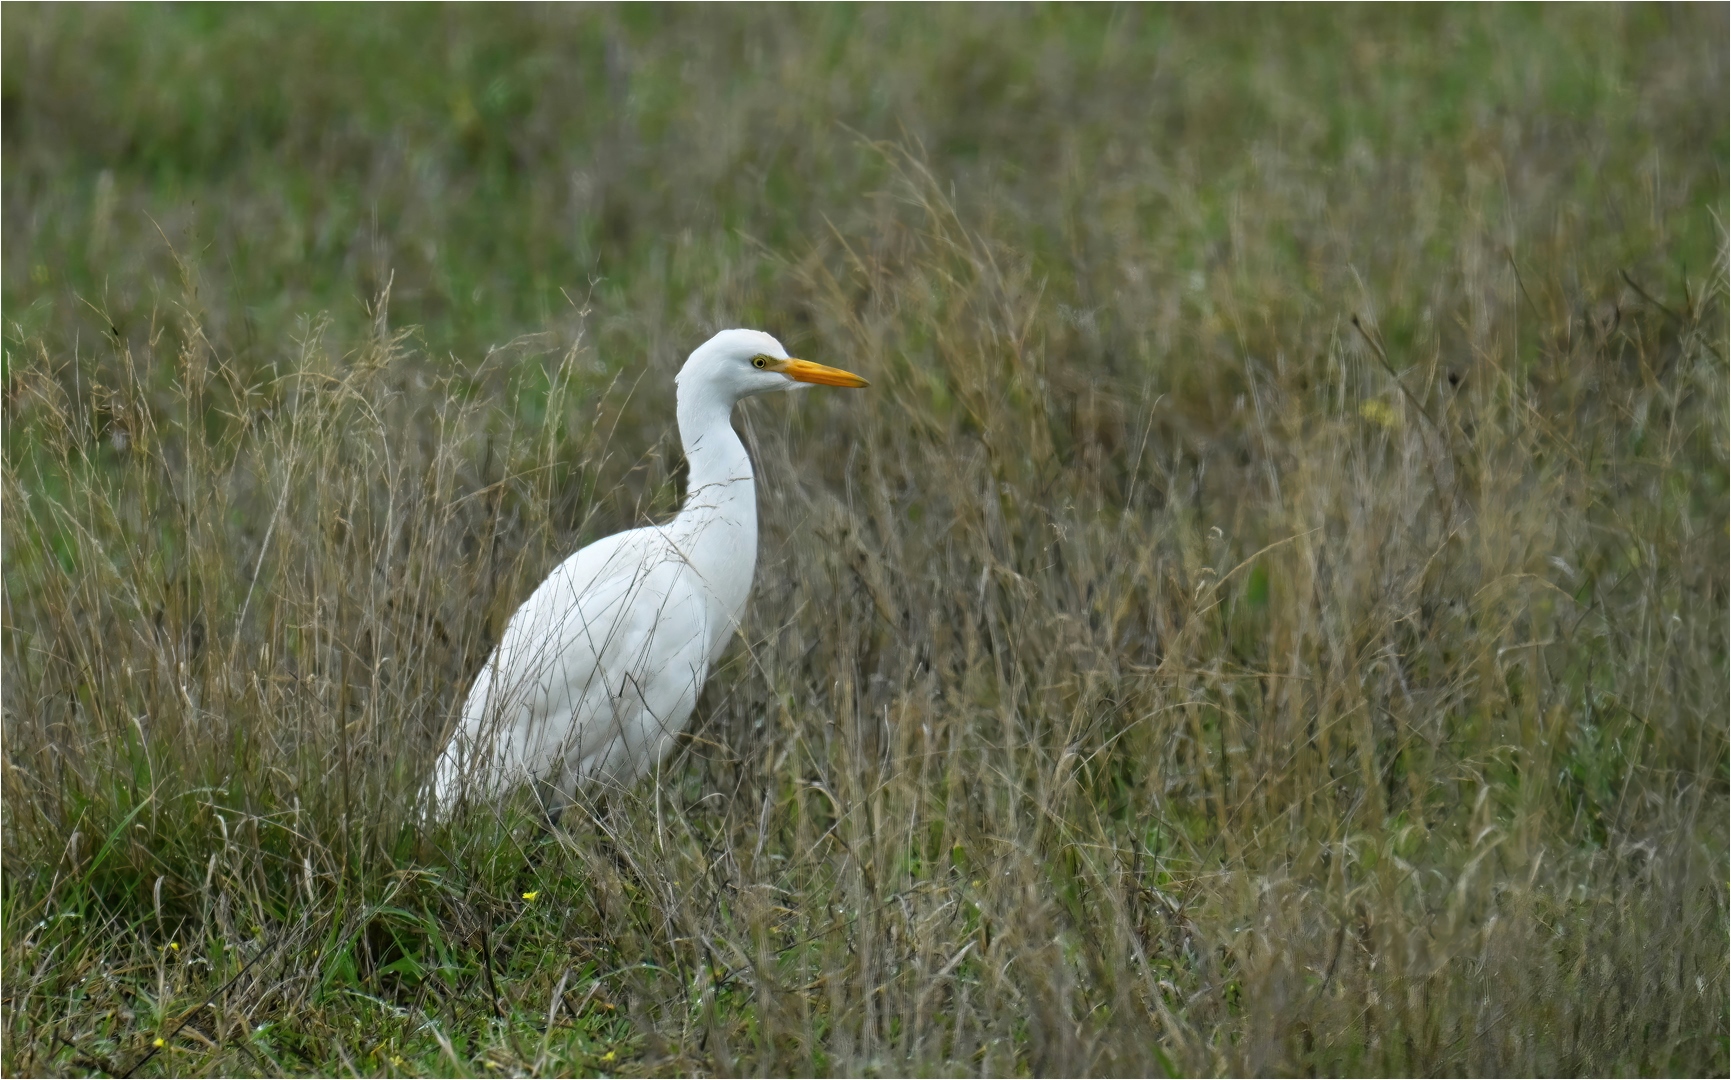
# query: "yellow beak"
808,372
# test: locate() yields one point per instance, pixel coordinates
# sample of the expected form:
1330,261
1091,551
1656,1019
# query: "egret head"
737,364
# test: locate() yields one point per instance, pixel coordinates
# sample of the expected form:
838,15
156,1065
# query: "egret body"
601,666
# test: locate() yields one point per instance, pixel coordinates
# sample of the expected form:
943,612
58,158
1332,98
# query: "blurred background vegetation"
1243,376
496,165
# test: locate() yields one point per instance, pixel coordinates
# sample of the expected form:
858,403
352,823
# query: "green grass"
1267,616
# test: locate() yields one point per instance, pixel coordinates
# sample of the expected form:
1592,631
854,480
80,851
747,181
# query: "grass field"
1268,615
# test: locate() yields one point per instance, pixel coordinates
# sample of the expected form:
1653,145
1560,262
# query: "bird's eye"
759,361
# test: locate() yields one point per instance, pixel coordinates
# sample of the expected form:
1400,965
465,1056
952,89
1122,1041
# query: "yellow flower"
158,1043
608,1056
175,945
530,896
1379,413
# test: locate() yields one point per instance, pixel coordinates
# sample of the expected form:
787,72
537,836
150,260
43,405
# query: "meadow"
1267,616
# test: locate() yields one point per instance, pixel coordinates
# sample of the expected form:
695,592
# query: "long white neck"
718,524
717,459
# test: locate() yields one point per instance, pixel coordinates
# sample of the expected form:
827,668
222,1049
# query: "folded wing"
593,677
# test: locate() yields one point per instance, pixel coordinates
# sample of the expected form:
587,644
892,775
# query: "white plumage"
600,668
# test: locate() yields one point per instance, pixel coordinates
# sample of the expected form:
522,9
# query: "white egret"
599,669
